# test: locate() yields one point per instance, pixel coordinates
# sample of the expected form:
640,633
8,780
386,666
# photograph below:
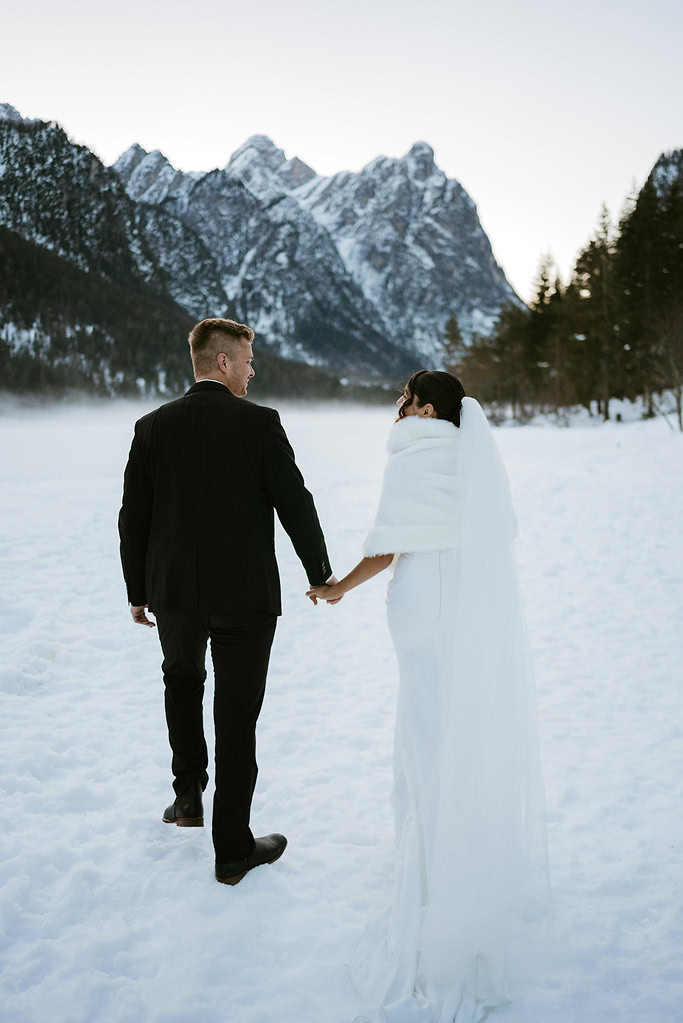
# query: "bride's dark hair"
438,388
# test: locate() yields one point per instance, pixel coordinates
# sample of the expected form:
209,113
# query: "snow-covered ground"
107,914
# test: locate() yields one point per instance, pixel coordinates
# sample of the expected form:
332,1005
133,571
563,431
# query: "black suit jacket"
204,476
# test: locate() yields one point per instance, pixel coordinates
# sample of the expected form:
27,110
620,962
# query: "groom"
204,476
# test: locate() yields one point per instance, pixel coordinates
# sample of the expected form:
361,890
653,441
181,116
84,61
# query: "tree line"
615,330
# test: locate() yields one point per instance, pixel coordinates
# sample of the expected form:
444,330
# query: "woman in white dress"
469,918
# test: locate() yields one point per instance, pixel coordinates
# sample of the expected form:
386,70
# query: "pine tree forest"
613,331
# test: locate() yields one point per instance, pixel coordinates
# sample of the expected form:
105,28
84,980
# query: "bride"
469,915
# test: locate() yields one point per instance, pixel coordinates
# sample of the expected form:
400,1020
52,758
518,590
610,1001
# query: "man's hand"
139,616
328,591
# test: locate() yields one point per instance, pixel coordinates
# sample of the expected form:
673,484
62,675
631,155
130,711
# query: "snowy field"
107,914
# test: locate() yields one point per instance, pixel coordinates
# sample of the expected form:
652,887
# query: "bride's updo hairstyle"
438,388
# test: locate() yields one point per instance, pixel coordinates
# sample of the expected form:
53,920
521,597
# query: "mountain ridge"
356,272
437,229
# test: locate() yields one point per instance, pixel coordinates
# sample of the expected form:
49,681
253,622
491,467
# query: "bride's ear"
427,411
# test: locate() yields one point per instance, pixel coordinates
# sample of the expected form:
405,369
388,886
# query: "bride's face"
409,407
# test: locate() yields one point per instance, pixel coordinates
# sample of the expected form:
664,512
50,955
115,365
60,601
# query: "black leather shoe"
266,850
187,810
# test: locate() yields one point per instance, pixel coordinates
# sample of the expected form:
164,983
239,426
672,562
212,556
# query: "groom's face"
239,371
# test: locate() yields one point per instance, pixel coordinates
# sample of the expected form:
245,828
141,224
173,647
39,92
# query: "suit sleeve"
134,523
294,504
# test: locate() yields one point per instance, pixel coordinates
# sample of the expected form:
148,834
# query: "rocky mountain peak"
150,177
256,164
128,161
264,168
421,151
10,113
260,148
295,173
420,161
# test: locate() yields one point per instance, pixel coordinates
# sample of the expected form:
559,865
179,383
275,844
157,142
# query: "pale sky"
541,111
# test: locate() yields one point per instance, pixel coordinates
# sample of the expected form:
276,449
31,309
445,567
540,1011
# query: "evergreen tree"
636,260
596,312
494,367
560,339
542,336
578,375
667,320
454,346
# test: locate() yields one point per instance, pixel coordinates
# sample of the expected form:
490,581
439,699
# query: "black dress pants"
240,651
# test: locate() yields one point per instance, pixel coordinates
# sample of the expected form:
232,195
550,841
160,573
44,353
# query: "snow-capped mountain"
356,273
278,266
402,241
413,237
61,196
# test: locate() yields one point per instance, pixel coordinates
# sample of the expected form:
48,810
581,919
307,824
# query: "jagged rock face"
412,238
401,240
149,177
61,196
279,267
667,169
10,113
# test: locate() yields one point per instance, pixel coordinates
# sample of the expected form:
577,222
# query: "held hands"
330,592
333,590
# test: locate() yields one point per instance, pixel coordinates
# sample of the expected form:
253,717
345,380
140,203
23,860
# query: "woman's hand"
364,570
331,592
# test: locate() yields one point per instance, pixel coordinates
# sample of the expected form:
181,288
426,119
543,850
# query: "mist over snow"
110,915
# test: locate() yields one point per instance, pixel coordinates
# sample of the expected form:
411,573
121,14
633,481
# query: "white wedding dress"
467,919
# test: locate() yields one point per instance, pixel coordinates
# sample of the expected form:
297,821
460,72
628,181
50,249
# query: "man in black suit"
204,476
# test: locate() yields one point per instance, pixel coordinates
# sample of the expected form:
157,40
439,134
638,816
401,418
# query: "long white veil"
485,932
490,917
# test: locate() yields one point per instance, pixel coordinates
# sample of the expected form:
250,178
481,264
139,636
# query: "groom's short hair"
211,337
